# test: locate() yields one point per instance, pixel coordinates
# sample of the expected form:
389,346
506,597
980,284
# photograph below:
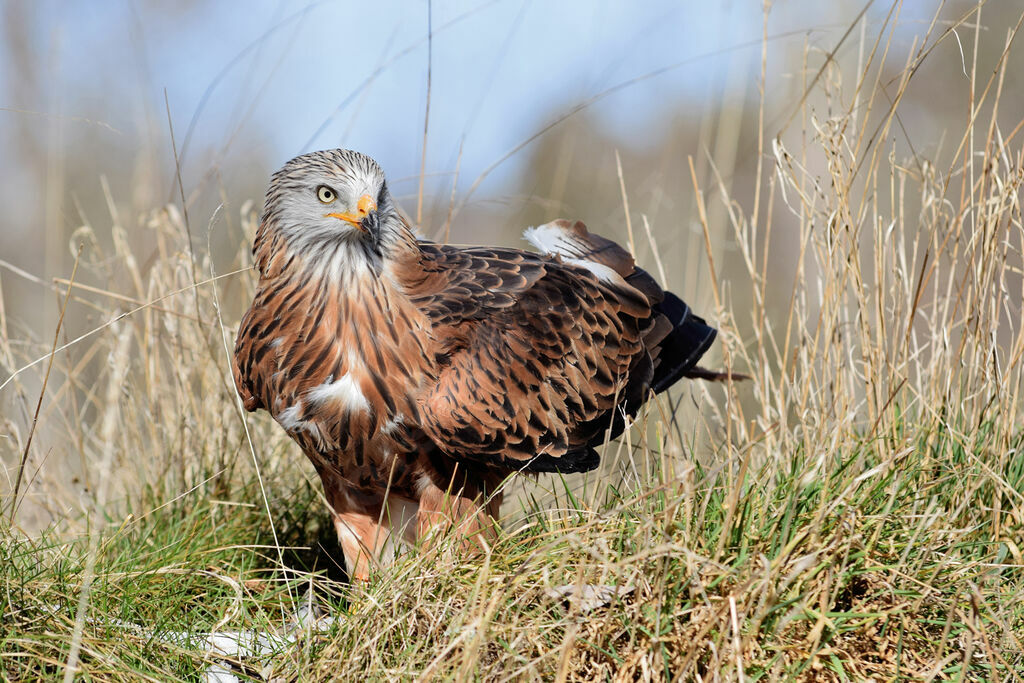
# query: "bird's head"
334,202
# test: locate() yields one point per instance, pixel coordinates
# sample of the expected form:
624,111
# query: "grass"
854,512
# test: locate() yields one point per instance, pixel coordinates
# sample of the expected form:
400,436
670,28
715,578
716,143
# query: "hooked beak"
365,208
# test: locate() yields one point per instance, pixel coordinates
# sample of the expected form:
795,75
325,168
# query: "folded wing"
541,354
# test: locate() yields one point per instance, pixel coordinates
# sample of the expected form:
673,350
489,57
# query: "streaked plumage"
417,376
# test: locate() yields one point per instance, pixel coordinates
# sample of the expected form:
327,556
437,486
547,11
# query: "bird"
418,376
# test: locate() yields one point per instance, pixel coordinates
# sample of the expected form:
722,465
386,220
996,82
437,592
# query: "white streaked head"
331,204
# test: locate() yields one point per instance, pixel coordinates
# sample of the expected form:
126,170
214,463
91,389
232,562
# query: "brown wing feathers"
527,372
549,351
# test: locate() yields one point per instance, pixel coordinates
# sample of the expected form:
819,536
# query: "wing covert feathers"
542,354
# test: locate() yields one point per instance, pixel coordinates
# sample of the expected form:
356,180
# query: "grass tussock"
853,512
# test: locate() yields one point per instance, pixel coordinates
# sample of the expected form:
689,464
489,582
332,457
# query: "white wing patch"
550,238
602,271
345,390
289,419
553,238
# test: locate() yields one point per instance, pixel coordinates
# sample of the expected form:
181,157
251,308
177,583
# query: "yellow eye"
325,194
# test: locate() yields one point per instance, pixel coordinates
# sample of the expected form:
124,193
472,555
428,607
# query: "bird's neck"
365,289
343,262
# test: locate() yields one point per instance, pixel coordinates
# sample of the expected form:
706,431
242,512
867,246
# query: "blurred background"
509,112
529,104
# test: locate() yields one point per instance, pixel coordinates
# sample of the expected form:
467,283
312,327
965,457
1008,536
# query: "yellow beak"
364,206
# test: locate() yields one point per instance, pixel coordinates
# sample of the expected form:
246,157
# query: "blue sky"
281,77
500,68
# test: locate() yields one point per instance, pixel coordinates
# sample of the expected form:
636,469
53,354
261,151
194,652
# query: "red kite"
417,376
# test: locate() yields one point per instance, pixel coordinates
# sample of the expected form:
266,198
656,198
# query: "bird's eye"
326,194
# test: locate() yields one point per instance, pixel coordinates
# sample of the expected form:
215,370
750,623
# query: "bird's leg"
368,529
355,534
468,512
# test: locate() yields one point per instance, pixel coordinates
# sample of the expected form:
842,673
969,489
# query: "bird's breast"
348,369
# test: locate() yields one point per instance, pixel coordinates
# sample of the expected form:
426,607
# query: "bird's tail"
697,372
677,354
